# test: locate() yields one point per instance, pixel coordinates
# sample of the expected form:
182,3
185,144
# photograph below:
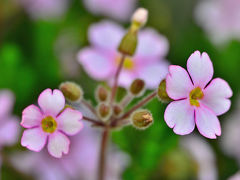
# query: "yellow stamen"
49,125
128,63
195,95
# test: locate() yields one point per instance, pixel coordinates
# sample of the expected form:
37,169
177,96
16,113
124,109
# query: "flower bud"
72,91
141,119
128,43
162,93
102,94
117,110
104,111
137,87
140,16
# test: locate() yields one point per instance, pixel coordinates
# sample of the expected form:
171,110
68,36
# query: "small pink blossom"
52,122
220,19
235,176
9,128
101,59
196,99
117,9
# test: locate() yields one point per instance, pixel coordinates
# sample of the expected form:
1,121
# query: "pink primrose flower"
117,9
51,122
196,99
101,59
220,19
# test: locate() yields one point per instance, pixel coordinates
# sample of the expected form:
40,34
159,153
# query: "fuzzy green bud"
137,87
117,110
162,93
104,111
141,119
72,91
128,44
102,94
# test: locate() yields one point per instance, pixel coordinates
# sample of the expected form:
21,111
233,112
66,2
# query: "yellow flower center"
128,63
195,95
49,125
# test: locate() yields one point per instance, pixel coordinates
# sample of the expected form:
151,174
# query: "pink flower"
101,59
45,9
220,19
204,156
117,9
196,99
230,139
9,128
52,122
81,162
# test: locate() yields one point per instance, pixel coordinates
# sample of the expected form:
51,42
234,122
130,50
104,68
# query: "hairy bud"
104,111
128,43
140,16
137,87
141,119
117,110
72,91
162,93
102,94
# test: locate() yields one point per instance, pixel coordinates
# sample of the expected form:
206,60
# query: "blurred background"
39,42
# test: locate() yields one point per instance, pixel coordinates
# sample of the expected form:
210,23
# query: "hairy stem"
138,105
89,106
102,158
115,82
95,122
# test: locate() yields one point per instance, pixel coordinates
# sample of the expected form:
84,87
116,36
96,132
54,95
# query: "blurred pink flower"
230,140
204,156
51,122
196,99
101,59
220,19
45,9
81,162
235,176
117,9
9,128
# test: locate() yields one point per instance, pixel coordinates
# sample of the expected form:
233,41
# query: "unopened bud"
137,87
162,93
104,111
117,110
102,94
140,16
141,119
128,44
72,91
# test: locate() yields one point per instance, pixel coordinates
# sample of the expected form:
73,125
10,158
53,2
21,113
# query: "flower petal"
9,131
216,96
51,102
58,144
200,68
125,78
153,73
69,121
207,122
97,64
34,139
6,102
179,115
31,116
148,39
178,83
106,35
